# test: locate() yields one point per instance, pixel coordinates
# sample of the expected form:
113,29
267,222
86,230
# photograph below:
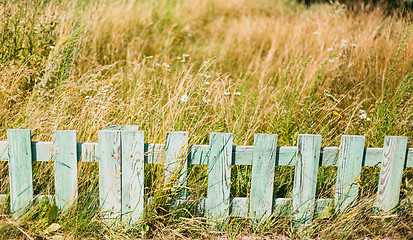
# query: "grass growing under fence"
206,66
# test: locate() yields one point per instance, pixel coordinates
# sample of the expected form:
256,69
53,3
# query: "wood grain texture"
110,173
394,153
305,177
262,181
132,175
176,161
65,167
349,168
219,175
20,170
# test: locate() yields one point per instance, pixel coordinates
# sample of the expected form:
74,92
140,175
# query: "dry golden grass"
208,66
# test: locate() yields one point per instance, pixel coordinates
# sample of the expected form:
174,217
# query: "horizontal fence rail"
122,154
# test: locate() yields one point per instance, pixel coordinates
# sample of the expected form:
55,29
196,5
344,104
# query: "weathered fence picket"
305,177
262,179
219,175
394,153
65,167
176,148
132,175
122,155
20,170
348,173
110,173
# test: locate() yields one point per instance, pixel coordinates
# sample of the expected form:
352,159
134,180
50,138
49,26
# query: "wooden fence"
122,155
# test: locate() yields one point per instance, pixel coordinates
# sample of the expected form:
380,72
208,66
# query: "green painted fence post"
132,175
65,167
262,181
175,160
305,177
392,164
20,170
349,167
219,175
109,144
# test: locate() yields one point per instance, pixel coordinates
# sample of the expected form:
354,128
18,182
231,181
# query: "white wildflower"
51,47
363,115
205,100
207,76
185,55
166,65
343,43
316,33
237,93
331,60
206,83
226,93
149,57
179,58
184,98
329,49
354,45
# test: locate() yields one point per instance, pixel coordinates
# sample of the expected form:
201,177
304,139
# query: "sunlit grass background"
206,66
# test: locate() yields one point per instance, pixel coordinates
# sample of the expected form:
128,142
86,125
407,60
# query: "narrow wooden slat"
65,167
86,152
409,160
42,151
329,156
199,154
176,149
242,155
20,170
4,151
219,175
153,153
372,157
110,173
262,181
239,207
132,175
349,168
286,156
321,204
394,153
305,177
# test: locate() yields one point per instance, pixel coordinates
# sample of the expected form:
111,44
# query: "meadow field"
244,67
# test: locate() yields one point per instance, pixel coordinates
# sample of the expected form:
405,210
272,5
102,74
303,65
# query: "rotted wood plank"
20,170
133,168
262,181
110,173
219,175
65,167
394,153
349,168
305,177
